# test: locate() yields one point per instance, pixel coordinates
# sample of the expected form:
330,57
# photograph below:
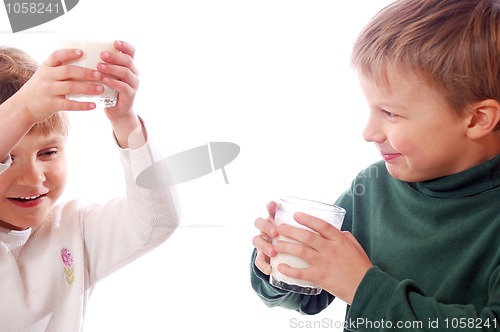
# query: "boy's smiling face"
30,187
415,129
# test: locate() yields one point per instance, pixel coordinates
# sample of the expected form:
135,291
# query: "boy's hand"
45,92
263,242
337,262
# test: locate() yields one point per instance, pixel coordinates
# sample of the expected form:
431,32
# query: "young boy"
52,255
419,248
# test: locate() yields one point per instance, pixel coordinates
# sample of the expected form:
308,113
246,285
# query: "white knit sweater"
47,273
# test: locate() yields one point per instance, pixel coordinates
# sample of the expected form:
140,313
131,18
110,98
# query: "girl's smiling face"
30,187
415,129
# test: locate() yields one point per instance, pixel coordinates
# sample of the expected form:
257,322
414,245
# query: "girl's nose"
30,175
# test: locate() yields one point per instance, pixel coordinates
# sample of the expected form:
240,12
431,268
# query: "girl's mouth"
27,201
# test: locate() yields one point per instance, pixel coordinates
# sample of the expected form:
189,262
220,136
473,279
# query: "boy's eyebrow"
393,106
382,105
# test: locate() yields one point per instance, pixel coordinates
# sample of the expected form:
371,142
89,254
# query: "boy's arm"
383,303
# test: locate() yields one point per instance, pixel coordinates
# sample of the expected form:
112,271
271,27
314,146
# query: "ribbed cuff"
371,299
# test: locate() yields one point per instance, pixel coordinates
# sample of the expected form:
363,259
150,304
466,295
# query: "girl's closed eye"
48,154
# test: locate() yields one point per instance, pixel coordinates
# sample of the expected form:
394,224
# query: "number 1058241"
33,8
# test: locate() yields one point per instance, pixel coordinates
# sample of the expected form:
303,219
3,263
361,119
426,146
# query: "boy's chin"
404,175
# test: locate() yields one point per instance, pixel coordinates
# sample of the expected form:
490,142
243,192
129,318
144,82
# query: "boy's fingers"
262,263
318,225
266,226
263,245
271,208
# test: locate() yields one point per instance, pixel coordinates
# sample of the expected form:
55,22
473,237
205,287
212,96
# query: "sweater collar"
14,239
470,182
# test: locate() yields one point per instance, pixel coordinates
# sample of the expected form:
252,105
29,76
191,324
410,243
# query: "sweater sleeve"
5,164
383,303
123,229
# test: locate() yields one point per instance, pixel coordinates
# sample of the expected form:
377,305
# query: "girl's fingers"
77,87
120,59
70,105
59,57
125,47
119,73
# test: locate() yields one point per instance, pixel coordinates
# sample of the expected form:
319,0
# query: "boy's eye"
388,114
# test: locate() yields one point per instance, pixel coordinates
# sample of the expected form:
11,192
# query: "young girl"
52,254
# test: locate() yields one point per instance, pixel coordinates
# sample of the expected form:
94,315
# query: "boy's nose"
31,175
373,132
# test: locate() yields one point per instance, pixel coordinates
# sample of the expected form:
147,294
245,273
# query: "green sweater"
435,247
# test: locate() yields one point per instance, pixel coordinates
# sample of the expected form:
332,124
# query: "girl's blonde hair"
454,45
16,68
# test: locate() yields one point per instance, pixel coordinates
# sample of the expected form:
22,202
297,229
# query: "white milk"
285,209
91,57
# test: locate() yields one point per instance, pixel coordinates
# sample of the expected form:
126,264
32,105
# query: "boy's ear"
483,118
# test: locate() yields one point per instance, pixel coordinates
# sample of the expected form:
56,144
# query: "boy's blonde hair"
16,68
454,45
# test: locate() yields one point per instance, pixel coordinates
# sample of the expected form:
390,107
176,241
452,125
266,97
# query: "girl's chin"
12,227
21,226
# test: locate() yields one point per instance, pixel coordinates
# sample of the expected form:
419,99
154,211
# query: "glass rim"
310,203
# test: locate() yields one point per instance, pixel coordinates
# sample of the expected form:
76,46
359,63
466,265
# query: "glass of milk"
90,58
285,209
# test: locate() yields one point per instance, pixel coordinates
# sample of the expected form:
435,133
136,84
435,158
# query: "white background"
271,76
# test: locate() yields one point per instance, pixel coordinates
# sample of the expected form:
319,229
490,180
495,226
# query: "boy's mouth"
390,156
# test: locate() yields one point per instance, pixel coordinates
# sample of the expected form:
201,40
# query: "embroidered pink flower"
67,258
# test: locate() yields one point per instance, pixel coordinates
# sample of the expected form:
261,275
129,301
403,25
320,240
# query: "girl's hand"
120,74
337,262
45,92
263,242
